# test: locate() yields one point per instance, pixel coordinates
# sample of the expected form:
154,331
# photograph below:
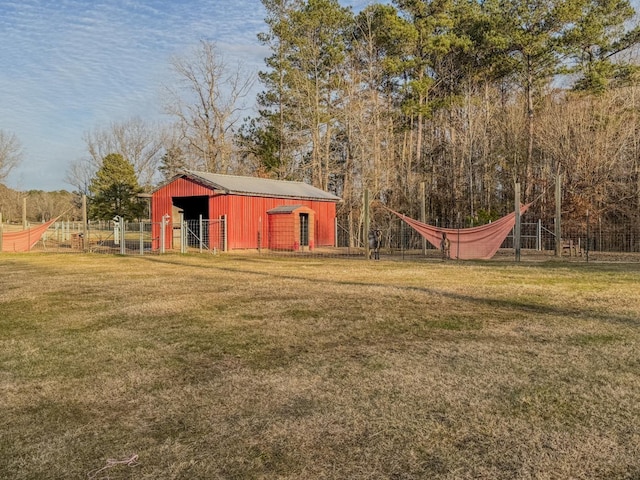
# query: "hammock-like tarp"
24,240
479,243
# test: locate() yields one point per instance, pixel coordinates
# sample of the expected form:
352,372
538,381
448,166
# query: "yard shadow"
518,306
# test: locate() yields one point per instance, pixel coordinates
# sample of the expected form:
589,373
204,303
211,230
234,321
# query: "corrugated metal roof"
284,209
235,184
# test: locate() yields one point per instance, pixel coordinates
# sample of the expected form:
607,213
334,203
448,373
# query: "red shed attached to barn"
291,227
246,212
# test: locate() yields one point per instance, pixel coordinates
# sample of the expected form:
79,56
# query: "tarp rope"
24,240
479,243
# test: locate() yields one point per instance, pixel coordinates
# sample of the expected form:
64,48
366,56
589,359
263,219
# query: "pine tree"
114,190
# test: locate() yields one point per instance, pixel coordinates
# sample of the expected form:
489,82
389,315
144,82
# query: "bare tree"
591,141
138,142
10,153
10,204
79,174
206,100
43,206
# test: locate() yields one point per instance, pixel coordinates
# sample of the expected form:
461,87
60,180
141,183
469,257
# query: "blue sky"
70,66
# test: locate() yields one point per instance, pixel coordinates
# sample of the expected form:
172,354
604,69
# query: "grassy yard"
247,367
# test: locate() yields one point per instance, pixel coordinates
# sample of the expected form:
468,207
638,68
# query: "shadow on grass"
517,306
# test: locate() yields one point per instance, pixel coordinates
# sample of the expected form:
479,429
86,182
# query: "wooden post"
423,214
558,229
518,225
85,223
367,221
1,231
586,252
458,239
24,212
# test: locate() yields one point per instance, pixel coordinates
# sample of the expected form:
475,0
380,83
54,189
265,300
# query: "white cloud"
72,65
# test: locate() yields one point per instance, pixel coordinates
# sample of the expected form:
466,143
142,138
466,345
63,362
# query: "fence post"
123,246
201,233
141,238
366,222
599,248
183,234
586,248
163,232
85,228
458,242
539,236
223,223
1,231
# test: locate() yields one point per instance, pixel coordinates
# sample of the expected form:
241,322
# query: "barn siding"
246,215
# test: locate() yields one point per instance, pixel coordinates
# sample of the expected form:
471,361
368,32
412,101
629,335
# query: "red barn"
245,212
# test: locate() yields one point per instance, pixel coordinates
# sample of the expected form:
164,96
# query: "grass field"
223,367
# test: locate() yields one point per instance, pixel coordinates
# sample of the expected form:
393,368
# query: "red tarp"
25,240
479,243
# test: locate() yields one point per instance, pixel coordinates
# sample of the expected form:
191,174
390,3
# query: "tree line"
463,97
459,99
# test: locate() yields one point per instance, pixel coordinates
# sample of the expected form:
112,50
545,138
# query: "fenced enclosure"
130,238
589,240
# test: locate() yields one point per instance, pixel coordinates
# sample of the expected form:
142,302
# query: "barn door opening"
193,208
304,229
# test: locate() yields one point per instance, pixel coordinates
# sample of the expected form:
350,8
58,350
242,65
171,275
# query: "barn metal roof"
235,184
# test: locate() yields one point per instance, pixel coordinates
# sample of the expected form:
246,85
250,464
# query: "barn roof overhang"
287,209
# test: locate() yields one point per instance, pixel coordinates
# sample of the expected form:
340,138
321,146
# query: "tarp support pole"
518,226
423,213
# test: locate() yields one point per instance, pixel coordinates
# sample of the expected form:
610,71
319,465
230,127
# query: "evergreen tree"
114,190
596,41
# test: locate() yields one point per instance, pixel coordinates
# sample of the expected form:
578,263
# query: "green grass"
249,367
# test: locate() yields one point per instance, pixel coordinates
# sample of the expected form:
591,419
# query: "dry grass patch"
252,367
